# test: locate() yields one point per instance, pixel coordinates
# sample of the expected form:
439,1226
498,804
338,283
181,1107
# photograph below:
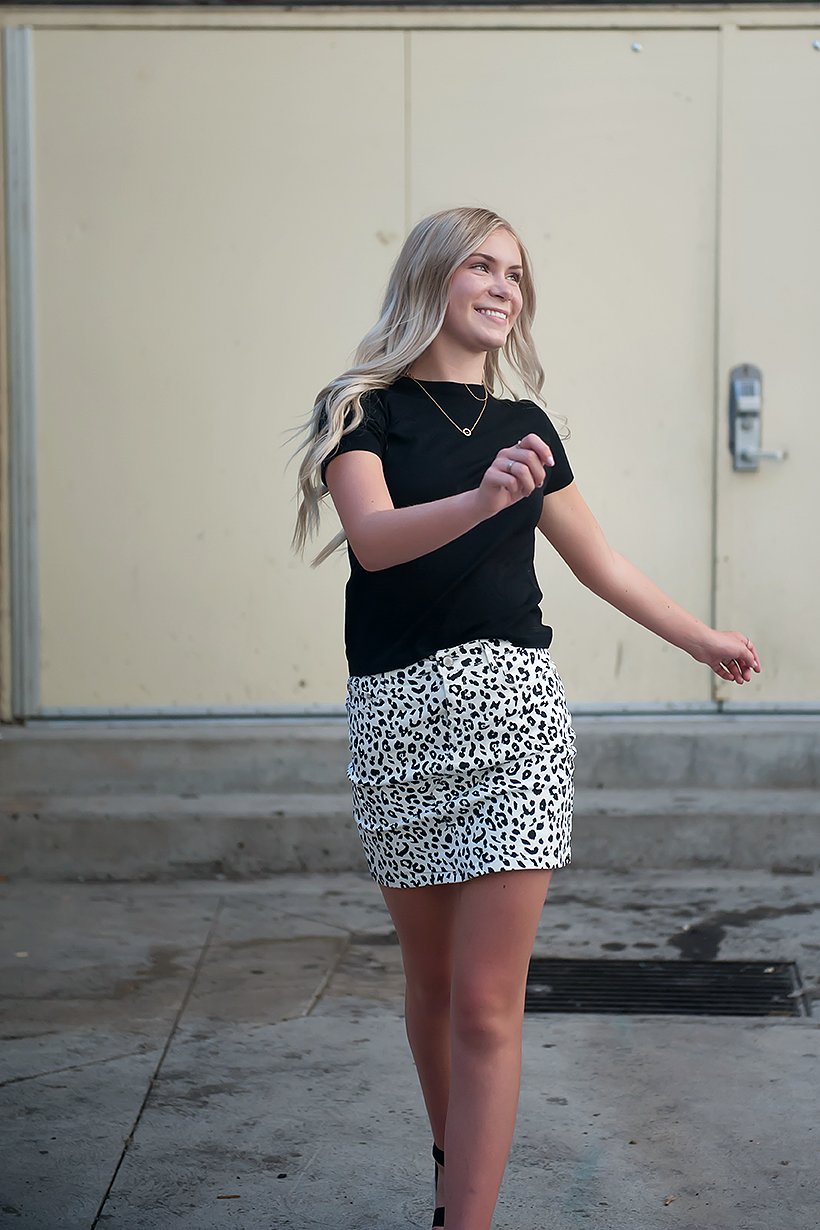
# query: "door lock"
745,411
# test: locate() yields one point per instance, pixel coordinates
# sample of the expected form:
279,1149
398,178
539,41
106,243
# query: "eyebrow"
491,259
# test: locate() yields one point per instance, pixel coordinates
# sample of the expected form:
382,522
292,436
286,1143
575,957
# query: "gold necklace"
470,391
465,431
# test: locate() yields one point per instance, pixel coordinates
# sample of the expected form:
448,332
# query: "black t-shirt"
483,583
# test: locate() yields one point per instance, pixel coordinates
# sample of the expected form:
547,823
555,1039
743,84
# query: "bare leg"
466,950
424,919
496,923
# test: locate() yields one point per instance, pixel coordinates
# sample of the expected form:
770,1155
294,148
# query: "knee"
486,1018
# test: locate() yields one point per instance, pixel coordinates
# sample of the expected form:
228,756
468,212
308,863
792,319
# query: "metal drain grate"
707,988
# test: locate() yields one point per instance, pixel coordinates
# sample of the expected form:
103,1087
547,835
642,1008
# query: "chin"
496,338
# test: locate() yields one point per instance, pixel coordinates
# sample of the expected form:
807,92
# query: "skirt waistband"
490,650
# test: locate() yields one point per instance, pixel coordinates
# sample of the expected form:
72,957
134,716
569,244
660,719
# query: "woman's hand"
514,474
731,656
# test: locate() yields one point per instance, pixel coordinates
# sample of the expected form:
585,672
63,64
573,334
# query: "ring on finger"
510,465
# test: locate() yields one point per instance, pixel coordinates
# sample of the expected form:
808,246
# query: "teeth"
488,312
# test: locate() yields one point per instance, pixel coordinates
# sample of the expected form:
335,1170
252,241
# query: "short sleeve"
370,435
560,475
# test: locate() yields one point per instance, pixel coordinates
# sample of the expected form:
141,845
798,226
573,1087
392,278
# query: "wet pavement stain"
702,941
168,1092
161,964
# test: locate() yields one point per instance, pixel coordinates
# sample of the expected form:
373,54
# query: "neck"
437,364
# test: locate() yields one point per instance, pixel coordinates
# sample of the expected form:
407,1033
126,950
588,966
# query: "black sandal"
438,1215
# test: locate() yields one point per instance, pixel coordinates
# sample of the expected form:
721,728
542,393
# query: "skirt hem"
449,876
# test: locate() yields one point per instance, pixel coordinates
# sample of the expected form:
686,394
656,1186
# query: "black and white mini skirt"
462,764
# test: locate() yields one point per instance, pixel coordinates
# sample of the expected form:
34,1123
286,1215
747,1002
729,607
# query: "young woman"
461,744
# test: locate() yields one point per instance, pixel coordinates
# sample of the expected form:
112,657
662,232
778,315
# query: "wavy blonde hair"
412,314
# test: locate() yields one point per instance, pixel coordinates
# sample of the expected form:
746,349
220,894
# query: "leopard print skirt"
461,764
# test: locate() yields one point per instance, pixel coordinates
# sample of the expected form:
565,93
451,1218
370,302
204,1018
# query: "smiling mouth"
492,314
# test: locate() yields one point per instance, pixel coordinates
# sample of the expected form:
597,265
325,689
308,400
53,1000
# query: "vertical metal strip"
18,111
718,688
408,131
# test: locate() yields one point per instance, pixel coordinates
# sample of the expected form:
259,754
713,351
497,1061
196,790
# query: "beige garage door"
768,574
601,148
216,214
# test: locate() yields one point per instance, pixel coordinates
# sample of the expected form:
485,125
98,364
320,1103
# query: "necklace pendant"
465,431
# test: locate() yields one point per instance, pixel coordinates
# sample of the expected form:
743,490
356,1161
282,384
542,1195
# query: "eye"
483,265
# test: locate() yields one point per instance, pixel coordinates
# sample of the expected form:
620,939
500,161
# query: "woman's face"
485,295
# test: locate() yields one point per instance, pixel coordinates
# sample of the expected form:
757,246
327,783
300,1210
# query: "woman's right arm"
382,536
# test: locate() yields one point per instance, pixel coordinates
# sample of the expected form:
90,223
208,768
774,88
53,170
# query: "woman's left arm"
567,522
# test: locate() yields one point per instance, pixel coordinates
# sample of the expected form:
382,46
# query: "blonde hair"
412,314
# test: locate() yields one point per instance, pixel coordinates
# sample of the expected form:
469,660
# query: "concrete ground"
202,1054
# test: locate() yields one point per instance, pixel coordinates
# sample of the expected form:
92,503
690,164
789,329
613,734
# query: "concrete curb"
160,836
293,756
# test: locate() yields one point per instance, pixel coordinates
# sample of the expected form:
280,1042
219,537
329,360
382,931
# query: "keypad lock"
745,414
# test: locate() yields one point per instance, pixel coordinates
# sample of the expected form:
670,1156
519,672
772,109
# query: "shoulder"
375,403
374,409
542,422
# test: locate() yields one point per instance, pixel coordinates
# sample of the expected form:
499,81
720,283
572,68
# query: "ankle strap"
438,1154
